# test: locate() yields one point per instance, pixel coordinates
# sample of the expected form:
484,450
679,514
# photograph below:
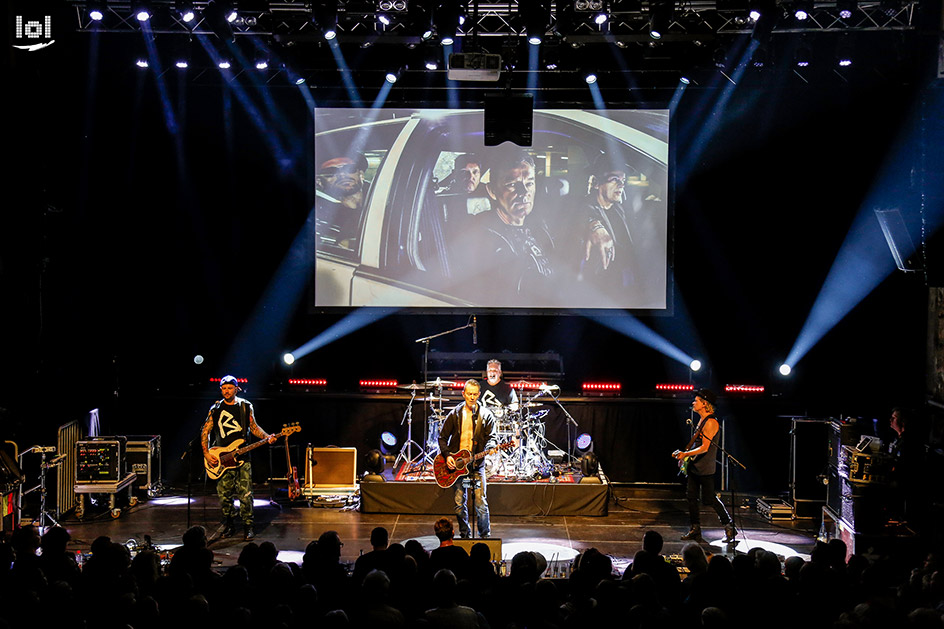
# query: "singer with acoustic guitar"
470,426
229,422
697,461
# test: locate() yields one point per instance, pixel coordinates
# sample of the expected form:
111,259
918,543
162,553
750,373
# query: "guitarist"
230,419
469,426
701,468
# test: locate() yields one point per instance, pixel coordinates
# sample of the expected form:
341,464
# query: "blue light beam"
353,322
633,328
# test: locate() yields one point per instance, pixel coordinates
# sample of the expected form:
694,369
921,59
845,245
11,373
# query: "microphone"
475,330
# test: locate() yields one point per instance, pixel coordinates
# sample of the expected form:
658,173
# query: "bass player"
469,426
230,420
698,462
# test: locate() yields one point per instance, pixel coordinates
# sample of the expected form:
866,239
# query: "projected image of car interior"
413,210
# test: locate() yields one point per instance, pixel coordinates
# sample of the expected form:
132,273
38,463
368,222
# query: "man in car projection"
613,266
466,174
340,189
514,255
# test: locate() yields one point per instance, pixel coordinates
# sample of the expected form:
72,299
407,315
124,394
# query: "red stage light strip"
378,384
309,382
601,386
525,384
675,387
743,388
239,380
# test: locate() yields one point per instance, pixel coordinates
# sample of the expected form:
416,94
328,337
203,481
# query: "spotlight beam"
632,327
353,322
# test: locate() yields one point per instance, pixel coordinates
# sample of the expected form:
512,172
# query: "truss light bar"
378,384
601,388
675,388
743,388
308,382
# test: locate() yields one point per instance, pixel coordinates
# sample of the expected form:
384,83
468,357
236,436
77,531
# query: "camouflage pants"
236,483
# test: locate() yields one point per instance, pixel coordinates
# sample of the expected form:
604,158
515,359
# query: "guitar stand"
406,452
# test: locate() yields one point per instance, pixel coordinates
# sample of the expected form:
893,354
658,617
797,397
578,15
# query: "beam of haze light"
534,59
360,318
709,125
155,62
259,120
381,99
597,96
352,93
619,55
676,97
631,327
262,336
864,259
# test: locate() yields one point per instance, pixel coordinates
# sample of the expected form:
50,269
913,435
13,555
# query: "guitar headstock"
288,429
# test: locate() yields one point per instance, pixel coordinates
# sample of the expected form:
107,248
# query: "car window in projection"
413,210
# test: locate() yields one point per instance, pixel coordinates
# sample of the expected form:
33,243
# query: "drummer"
497,394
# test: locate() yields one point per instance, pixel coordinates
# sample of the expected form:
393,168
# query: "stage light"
224,64
262,64
695,365
785,369
589,467
432,64
844,52
141,62
660,14
754,15
182,64
743,388
446,20
388,443
217,15
141,10
675,387
185,10
374,463
590,78
847,8
802,10
600,18
198,360
584,443
288,358
96,10
392,77
684,80
308,382
300,80
803,56
383,18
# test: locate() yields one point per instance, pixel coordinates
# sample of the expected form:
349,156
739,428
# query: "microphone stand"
425,340
571,422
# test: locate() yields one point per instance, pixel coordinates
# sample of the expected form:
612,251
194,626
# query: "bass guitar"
446,477
228,456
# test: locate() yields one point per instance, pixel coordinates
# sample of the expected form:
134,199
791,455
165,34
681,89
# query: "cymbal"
530,404
414,386
430,398
440,383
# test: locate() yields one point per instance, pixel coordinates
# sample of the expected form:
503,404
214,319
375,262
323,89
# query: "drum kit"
522,421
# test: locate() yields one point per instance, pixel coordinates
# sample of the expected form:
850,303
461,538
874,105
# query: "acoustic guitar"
228,456
446,477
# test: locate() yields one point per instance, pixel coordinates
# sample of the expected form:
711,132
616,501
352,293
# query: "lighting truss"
291,21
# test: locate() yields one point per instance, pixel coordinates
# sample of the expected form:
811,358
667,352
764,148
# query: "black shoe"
729,533
693,534
248,533
229,528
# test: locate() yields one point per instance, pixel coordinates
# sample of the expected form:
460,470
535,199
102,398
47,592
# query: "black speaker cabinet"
810,456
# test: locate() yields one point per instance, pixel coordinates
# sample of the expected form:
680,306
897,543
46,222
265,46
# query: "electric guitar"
446,477
228,456
291,474
685,462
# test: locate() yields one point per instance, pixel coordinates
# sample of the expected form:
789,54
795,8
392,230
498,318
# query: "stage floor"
632,510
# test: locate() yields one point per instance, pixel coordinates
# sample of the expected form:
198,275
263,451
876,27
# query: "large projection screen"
413,210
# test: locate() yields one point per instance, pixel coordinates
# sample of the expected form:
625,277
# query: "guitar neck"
251,446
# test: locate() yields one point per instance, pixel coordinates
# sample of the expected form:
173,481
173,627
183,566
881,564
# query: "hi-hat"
414,386
439,383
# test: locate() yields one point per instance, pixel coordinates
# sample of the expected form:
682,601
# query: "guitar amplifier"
101,459
330,471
